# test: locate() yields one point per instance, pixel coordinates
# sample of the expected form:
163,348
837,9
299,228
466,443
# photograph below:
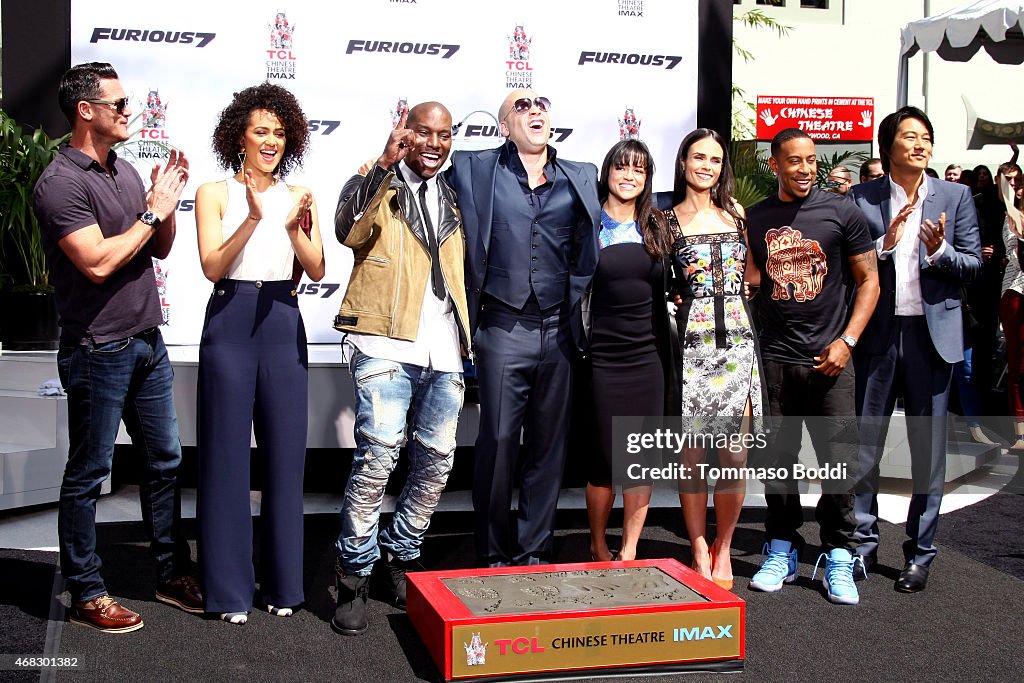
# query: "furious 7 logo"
475,130
324,289
793,260
632,58
391,47
325,127
152,36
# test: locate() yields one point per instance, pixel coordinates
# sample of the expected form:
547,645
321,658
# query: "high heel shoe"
721,583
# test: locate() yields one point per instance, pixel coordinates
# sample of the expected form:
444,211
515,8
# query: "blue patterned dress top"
612,232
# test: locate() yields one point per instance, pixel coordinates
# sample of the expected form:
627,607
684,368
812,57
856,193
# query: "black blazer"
472,175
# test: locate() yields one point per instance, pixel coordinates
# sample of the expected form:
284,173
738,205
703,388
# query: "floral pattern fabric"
719,356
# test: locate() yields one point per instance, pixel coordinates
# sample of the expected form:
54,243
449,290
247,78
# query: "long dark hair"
722,192
651,224
989,191
977,176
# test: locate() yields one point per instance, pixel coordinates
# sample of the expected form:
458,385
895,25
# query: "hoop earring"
241,159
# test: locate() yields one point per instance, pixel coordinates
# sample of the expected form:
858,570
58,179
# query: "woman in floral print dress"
721,386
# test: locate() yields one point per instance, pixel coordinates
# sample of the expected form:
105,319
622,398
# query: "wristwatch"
150,219
848,340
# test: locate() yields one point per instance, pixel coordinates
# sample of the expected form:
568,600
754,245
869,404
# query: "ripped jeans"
389,396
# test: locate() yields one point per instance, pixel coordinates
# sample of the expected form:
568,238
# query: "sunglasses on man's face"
118,105
525,104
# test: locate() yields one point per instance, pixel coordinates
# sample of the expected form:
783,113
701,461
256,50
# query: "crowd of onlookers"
992,312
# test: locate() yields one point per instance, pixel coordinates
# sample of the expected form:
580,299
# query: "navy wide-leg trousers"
252,374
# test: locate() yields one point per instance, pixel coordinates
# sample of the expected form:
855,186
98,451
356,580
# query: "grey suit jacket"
959,264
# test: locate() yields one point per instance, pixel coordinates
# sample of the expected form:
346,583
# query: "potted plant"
28,314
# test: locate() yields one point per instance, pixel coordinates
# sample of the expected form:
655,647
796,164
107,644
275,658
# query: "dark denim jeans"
389,397
799,397
128,379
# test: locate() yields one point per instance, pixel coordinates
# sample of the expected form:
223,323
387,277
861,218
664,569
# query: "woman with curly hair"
721,386
257,235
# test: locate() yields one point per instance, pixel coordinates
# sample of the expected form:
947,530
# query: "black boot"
392,577
350,615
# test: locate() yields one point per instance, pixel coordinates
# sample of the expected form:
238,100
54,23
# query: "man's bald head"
510,99
432,124
425,108
528,124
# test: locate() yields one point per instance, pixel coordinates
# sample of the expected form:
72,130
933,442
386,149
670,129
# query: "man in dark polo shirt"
809,245
101,230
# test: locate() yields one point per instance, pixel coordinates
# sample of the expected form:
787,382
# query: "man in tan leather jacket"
406,321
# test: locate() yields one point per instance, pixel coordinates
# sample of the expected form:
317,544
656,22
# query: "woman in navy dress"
629,332
256,234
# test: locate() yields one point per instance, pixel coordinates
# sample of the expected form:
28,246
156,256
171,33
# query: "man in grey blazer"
531,222
927,238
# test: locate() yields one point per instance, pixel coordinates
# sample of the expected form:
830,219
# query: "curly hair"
235,119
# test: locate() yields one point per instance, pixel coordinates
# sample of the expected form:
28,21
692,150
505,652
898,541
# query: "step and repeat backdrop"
611,68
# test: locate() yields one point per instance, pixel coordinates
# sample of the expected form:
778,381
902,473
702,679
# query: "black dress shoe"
913,578
869,560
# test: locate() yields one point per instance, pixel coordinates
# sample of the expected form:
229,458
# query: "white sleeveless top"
1012,276
268,255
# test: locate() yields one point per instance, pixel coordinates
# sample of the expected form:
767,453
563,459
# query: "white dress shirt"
906,255
437,338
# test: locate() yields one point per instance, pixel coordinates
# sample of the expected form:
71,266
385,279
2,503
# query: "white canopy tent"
958,34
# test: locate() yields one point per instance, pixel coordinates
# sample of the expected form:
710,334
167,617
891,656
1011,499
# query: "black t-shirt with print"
801,249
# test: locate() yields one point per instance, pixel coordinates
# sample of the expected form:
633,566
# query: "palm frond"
848,158
23,156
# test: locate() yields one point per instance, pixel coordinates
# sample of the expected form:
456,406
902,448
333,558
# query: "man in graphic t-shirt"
809,246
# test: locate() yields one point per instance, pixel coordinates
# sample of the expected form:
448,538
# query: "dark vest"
530,249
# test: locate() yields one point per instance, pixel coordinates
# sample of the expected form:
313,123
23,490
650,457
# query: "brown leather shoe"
104,614
183,593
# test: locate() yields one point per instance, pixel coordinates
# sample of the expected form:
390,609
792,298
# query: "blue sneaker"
779,567
840,565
